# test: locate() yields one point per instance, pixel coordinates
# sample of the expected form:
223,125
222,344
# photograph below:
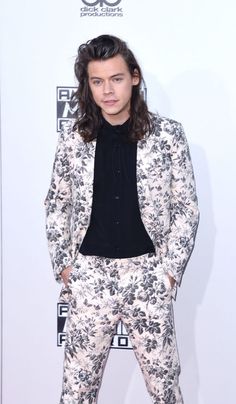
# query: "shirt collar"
114,131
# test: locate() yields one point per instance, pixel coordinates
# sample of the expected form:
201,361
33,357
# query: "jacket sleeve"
58,210
184,213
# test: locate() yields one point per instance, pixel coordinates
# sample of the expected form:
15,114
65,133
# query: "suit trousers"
101,292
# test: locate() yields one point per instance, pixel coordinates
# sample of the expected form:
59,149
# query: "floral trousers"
101,292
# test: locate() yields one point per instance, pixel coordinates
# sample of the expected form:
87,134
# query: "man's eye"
117,79
96,82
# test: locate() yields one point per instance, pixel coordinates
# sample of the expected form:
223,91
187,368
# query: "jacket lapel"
142,173
86,189
143,184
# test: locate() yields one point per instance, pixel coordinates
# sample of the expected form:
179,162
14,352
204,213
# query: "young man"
121,221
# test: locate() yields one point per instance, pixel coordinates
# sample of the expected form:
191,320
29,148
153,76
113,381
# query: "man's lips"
110,102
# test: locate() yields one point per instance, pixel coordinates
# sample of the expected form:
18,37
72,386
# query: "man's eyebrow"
95,77
117,74
100,78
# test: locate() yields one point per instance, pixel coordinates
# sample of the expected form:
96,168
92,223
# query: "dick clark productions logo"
101,3
101,8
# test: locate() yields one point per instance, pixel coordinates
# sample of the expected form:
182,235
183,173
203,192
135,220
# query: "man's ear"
135,77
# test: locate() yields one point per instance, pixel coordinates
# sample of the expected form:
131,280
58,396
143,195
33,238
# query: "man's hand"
171,280
65,275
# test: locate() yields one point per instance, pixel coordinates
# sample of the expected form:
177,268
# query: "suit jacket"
166,195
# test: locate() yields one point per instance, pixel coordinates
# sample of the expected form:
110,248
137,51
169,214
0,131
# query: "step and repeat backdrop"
186,50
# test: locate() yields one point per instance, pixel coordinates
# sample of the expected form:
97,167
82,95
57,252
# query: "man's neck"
115,119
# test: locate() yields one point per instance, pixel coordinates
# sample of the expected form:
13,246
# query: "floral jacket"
166,195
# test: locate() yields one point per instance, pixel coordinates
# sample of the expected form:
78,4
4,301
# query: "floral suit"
101,291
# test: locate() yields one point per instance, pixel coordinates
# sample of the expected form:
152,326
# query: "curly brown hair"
89,117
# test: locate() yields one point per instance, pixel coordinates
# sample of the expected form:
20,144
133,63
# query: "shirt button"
117,197
117,222
118,171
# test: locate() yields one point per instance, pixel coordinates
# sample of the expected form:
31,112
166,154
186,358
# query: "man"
121,221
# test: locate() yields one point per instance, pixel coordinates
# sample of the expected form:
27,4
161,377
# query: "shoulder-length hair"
88,115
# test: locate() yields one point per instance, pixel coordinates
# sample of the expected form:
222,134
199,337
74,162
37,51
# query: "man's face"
111,85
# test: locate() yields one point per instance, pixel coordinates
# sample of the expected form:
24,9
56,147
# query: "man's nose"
107,87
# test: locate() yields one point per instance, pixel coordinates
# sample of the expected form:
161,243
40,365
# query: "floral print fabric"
102,291
166,195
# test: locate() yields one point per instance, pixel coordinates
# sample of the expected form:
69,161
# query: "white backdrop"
187,51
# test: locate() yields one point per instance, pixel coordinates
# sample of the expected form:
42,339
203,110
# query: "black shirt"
116,229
